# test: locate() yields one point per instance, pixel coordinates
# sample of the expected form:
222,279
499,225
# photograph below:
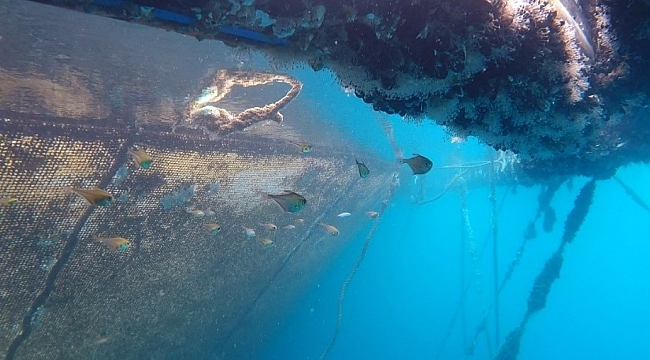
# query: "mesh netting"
178,291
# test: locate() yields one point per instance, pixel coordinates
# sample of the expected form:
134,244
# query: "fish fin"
265,195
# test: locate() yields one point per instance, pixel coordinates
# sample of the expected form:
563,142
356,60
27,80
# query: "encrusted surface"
541,78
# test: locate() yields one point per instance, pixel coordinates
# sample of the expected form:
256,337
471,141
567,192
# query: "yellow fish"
303,146
95,196
269,226
213,228
8,201
115,243
372,214
249,232
195,212
330,229
267,243
141,158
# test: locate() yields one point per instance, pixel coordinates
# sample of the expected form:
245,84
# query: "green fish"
290,202
418,163
303,146
363,169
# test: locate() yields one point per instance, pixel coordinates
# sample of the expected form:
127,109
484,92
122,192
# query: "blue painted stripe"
173,17
251,35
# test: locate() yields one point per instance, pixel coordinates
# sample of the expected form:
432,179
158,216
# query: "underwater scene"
309,179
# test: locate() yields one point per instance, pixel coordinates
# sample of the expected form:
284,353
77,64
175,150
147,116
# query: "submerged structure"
561,83
558,87
182,163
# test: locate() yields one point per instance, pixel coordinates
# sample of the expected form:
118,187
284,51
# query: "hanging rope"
551,270
495,258
469,350
355,267
633,194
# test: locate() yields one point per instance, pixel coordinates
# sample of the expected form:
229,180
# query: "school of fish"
288,201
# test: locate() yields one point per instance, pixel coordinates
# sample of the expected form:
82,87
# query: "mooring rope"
495,258
633,194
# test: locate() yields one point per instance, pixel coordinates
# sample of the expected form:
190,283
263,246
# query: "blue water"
401,301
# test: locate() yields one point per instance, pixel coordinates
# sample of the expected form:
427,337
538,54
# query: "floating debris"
213,189
49,241
178,197
120,175
37,317
48,263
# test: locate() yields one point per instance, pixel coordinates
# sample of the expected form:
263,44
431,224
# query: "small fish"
300,221
141,158
8,201
330,229
344,214
213,228
372,214
95,196
267,243
363,169
418,163
249,232
303,146
209,213
289,202
289,227
115,243
269,226
195,212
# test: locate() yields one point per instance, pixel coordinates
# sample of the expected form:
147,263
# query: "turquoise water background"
401,302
